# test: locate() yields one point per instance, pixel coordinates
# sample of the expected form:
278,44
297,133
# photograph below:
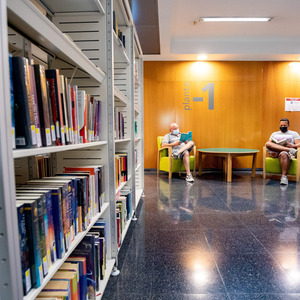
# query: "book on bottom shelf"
24,251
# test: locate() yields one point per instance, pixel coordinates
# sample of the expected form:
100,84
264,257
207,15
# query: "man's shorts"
277,154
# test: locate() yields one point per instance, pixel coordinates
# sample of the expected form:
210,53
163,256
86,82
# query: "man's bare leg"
187,146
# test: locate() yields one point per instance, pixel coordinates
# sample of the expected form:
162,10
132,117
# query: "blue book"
32,229
86,249
186,136
12,102
24,251
127,194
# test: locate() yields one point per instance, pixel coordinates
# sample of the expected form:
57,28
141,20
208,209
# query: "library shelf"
138,196
18,153
120,98
122,140
23,15
138,167
34,292
120,52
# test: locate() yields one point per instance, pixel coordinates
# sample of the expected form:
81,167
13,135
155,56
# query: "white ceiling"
278,39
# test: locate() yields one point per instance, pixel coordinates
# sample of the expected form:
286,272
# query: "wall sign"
292,104
187,97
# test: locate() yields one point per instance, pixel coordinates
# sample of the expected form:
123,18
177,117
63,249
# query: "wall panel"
248,102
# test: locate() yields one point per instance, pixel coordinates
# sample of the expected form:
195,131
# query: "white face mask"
176,131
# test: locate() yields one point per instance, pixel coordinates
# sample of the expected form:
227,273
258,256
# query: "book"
12,102
64,100
81,261
49,226
82,115
186,136
86,248
58,288
52,123
24,251
72,267
52,76
32,229
23,108
74,101
72,277
42,219
56,195
43,104
35,107
281,142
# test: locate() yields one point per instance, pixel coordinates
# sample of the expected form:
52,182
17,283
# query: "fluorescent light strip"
234,19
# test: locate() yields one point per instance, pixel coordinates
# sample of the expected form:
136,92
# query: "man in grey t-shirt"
283,144
179,149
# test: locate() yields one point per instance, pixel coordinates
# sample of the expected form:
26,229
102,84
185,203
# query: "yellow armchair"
166,163
272,165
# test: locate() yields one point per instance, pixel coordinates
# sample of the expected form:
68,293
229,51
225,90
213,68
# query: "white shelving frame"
97,76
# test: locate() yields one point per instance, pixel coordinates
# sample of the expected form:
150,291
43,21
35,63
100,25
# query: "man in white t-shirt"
283,144
179,149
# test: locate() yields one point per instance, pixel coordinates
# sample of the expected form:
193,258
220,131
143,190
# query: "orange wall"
248,104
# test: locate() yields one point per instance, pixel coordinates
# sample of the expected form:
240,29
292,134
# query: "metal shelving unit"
104,69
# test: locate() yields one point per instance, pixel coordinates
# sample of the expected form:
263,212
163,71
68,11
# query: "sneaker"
284,180
175,155
293,152
189,178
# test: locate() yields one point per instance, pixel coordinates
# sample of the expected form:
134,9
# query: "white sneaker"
189,178
284,180
293,152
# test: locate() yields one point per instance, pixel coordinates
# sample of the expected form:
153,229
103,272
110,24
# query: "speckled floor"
212,240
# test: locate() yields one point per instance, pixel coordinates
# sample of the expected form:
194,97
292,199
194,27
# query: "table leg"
229,168
224,162
254,165
200,163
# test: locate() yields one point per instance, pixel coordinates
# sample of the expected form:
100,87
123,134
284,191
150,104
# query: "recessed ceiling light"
202,57
234,19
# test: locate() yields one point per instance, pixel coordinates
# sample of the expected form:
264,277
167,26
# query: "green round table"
228,154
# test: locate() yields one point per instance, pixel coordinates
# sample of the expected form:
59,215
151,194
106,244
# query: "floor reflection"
212,240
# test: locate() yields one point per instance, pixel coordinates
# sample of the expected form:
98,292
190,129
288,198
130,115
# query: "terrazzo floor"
211,240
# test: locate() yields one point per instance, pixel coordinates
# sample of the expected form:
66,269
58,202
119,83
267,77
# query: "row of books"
121,168
119,124
47,110
51,212
79,277
123,213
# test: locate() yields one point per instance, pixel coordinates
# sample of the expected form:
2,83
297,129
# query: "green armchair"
272,165
166,163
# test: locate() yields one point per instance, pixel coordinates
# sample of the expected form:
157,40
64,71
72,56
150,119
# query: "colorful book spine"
35,107
24,249
24,114
12,103
43,105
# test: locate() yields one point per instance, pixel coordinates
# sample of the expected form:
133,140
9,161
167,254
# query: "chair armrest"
168,148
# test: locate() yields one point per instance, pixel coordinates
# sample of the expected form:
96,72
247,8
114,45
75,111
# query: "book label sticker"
57,129
63,135
38,137
33,135
27,281
48,137
41,273
45,266
13,137
54,254
53,133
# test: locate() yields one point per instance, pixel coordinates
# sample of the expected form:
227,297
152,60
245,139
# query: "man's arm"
163,145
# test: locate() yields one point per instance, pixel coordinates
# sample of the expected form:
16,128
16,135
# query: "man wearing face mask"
179,149
283,144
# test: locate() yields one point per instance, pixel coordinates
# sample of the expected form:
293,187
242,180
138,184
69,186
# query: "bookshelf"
76,37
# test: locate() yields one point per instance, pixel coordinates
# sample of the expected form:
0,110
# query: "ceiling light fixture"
235,19
202,57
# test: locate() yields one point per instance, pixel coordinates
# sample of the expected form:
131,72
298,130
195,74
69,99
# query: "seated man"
179,149
283,144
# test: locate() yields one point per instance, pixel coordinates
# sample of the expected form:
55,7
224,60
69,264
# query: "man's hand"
289,145
176,143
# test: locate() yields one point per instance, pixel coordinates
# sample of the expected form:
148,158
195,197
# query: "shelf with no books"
103,283
122,141
18,153
137,167
34,292
120,51
138,196
24,17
